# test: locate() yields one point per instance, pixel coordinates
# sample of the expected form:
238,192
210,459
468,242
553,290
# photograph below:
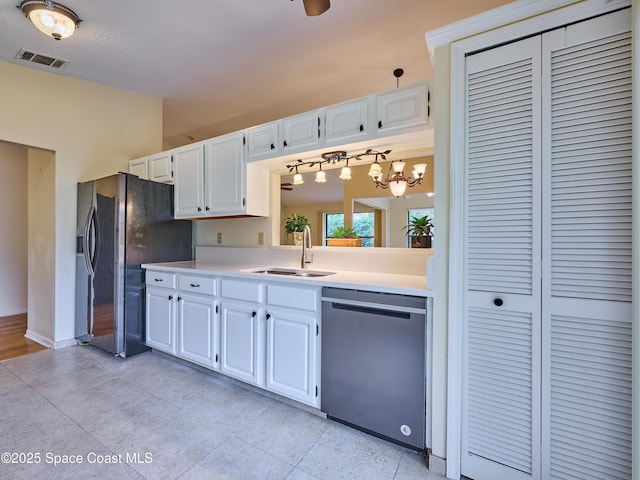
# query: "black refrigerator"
123,221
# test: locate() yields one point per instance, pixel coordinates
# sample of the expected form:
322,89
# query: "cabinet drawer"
293,297
247,291
196,284
160,279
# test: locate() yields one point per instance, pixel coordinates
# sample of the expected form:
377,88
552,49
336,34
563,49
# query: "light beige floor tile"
237,460
284,431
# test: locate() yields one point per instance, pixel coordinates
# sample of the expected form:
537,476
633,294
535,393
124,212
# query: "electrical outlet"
260,238
219,238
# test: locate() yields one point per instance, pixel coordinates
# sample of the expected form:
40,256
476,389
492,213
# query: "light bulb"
345,173
398,187
375,170
297,179
320,177
398,167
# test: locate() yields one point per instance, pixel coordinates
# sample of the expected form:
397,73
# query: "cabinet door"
263,141
189,181
160,319
301,131
241,342
161,167
225,174
291,354
346,121
403,108
197,333
139,167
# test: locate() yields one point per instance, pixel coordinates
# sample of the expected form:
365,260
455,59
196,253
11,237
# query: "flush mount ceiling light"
51,18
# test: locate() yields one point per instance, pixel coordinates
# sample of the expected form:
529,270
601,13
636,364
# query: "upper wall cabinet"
346,122
161,167
158,167
301,132
189,191
402,108
263,141
212,180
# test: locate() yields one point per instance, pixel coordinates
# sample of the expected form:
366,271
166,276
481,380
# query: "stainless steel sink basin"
290,272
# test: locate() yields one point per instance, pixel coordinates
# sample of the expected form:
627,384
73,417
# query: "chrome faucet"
306,244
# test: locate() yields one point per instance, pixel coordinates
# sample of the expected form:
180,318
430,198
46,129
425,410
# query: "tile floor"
151,417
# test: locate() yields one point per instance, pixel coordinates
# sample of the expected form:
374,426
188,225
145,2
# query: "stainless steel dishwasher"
373,363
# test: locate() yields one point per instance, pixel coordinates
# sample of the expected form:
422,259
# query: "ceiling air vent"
33,57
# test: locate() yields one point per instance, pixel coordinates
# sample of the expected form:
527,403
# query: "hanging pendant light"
345,173
51,18
297,178
320,176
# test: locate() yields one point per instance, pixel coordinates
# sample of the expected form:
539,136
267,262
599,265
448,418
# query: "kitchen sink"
290,272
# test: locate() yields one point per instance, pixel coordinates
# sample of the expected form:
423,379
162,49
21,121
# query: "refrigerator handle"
89,232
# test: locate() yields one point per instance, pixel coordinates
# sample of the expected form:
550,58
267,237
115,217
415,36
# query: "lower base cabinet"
261,333
160,322
198,330
291,354
241,349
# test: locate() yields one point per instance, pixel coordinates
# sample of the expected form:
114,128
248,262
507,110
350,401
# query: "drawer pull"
157,279
498,302
195,285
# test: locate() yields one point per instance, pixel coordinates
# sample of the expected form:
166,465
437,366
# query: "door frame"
539,17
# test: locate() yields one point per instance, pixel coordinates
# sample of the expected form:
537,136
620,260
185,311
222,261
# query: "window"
418,212
363,224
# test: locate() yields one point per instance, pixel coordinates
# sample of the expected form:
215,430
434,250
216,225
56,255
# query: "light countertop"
378,282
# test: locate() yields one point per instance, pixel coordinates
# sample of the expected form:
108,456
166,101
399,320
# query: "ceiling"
221,66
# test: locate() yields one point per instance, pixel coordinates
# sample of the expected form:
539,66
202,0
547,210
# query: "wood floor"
13,343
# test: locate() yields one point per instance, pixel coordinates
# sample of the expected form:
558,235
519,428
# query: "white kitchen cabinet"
241,341
293,343
189,181
301,132
160,321
160,167
263,141
225,175
346,122
198,330
241,330
291,354
139,167
402,109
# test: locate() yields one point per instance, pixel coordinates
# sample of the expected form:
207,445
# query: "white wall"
93,130
13,234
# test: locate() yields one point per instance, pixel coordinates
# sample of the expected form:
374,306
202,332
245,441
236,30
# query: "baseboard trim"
31,335
11,313
437,465
64,343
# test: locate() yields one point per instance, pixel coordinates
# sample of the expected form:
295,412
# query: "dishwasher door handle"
370,310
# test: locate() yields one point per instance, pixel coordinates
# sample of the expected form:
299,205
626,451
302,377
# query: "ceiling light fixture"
297,178
51,18
396,181
320,176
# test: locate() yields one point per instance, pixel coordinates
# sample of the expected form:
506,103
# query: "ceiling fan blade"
315,7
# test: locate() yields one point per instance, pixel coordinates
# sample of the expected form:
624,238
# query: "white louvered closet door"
587,250
547,368
501,344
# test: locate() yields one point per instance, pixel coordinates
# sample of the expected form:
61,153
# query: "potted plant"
295,225
344,237
419,230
